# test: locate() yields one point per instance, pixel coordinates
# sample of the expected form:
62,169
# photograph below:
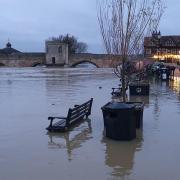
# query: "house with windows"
162,48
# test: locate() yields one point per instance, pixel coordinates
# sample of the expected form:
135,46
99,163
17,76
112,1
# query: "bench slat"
81,111
60,123
75,119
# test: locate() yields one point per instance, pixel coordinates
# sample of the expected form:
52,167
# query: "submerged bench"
74,115
116,91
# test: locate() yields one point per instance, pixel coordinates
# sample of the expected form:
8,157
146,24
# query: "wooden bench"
74,115
116,91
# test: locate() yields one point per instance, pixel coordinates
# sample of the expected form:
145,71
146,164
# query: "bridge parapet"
99,60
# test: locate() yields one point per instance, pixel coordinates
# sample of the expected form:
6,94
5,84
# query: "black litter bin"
164,73
119,121
138,88
138,113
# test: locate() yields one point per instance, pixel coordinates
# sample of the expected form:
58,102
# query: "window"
60,49
151,43
169,43
148,51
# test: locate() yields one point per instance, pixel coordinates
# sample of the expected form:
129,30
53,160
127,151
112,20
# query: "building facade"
162,48
56,53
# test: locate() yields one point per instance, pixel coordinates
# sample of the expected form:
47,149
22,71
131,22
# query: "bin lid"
118,105
139,83
137,104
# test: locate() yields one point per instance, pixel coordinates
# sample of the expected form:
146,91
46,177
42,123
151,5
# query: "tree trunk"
123,80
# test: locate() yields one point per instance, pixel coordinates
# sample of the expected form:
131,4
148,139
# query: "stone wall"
22,59
56,53
100,60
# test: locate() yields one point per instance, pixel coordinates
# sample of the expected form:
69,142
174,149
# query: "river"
27,151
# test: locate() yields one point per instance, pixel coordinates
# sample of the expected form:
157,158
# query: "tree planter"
119,121
139,88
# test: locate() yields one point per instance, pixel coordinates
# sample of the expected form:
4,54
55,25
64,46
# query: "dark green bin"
119,120
138,113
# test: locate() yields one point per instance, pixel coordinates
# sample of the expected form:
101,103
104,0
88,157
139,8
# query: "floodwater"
28,96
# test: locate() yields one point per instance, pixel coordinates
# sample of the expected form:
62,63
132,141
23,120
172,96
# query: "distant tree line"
73,44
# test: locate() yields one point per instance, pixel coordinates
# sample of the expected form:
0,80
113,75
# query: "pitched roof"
164,41
8,49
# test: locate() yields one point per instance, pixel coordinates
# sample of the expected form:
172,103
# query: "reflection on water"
71,140
120,155
85,65
175,85
144,99
29,95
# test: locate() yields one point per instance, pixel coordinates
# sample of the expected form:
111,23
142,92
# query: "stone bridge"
33,59
22,59
99,60
56,55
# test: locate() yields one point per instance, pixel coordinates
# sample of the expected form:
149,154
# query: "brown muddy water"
27,151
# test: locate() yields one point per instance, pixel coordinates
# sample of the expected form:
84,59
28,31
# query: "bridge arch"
84,61
36,64
1,64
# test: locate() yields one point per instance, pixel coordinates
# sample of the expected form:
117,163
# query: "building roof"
167,41
8,49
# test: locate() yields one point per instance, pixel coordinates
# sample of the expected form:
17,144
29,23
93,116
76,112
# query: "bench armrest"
116,88
76,105
52,118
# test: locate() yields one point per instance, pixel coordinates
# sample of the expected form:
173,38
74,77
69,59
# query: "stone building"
11,57
162,48
56,53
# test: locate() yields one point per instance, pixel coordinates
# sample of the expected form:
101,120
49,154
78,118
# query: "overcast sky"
28,23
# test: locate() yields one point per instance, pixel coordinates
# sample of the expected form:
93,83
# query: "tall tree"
123,26
73,44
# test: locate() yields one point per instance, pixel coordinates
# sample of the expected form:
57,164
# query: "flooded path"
28,96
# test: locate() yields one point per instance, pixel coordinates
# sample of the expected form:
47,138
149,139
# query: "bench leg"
51,123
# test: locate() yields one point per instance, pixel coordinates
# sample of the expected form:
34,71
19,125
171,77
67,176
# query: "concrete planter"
139,88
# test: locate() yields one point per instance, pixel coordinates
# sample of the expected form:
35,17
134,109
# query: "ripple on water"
29,95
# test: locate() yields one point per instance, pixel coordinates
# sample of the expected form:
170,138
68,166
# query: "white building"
56,53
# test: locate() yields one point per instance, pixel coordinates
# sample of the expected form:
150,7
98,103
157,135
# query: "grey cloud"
28,23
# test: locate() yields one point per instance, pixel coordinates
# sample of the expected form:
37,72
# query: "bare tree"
74,45
123,26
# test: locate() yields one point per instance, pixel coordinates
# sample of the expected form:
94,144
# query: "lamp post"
178,61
